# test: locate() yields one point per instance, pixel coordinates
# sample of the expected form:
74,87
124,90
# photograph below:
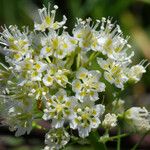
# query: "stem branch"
119,139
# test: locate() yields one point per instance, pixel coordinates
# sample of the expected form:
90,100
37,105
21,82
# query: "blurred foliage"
132,15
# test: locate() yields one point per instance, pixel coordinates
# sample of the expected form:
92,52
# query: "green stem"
78,60
117,136
48,59
105,147
92,56
69,61
119,139
140,141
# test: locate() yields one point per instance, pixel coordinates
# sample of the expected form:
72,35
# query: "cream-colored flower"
56,139
114,72
59,108
110,121
87,85
86,117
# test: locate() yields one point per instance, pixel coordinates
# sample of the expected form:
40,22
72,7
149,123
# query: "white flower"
48,46
14,38
61,77
110,121
59,108
86,118
138,118
16,43
111,41
68,43
37,69
48,80
55,75
56,139
87,84
114,72
56,45
37,91
137,113
108,39
62,46
36,76
19,116
135,72
47,18
46,51
40,66
86,34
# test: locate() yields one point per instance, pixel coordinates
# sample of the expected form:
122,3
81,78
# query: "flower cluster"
110,121
49,74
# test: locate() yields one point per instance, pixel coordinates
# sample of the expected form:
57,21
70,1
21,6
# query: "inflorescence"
61,78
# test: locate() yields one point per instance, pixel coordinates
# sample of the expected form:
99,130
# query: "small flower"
49,77
56,45
47,18
114,72
36,76
135,72
37,69
111,41
19,116
59,108
87,84
56,139
86,34
138,118
48,80
86,117
46,51
110,121
61,78
55,75
40,66
68,43
16,43
137,113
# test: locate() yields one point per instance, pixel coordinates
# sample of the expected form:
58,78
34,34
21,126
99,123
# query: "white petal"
84,132
108,77
57,123
82,73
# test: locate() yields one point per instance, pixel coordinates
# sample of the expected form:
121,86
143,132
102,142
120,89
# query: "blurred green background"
134,19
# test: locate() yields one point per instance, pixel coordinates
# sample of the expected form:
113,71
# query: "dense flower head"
61,78
110,121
